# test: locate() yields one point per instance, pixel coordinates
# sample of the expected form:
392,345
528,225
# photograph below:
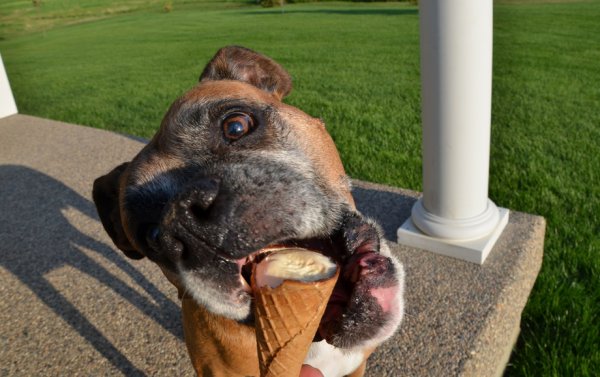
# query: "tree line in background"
168,6
273,3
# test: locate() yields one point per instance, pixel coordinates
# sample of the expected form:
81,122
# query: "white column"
7,101
455,217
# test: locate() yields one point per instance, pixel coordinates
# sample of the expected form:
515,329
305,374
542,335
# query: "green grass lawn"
18,17
357,67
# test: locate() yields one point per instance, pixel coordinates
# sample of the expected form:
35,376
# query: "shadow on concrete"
347,12
36,238
389,209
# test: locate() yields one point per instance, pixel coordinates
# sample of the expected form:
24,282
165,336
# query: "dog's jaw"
386,300
235,304
395,303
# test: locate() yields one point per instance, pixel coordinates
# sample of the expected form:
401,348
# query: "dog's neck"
210,340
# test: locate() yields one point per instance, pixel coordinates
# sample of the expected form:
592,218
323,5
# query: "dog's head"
231,171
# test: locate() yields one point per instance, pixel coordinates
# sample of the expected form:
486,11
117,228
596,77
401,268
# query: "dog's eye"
237,125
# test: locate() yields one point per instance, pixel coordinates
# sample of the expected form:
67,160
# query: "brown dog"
231,171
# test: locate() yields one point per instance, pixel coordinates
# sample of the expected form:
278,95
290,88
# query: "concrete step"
71,304
461,319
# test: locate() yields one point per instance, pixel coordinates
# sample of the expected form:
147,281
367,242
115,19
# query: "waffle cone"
287,318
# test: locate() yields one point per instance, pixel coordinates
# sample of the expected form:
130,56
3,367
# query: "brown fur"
210,339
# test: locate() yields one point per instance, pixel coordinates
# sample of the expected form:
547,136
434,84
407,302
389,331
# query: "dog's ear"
106,198
242,64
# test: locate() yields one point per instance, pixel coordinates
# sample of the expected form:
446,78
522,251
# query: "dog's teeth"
293,264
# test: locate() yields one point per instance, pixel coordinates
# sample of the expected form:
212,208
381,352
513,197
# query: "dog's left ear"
106,197
242,64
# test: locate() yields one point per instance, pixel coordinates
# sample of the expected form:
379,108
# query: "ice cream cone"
287,318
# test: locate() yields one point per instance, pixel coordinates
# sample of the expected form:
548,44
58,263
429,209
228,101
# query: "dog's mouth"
349,265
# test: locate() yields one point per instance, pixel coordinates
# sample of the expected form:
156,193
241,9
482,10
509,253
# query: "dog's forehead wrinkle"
214,108
226,89
188,137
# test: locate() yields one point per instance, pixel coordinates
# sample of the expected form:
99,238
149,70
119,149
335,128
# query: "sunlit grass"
357,67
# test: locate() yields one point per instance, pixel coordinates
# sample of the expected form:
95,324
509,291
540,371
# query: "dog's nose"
186,217
198,200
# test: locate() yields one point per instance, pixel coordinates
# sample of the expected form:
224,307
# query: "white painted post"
7,101
455,217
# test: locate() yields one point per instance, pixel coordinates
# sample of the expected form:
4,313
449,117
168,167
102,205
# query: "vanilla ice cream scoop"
293,264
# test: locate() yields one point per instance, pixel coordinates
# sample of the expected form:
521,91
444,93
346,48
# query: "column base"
473,250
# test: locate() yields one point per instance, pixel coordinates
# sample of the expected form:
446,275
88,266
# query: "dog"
231,171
